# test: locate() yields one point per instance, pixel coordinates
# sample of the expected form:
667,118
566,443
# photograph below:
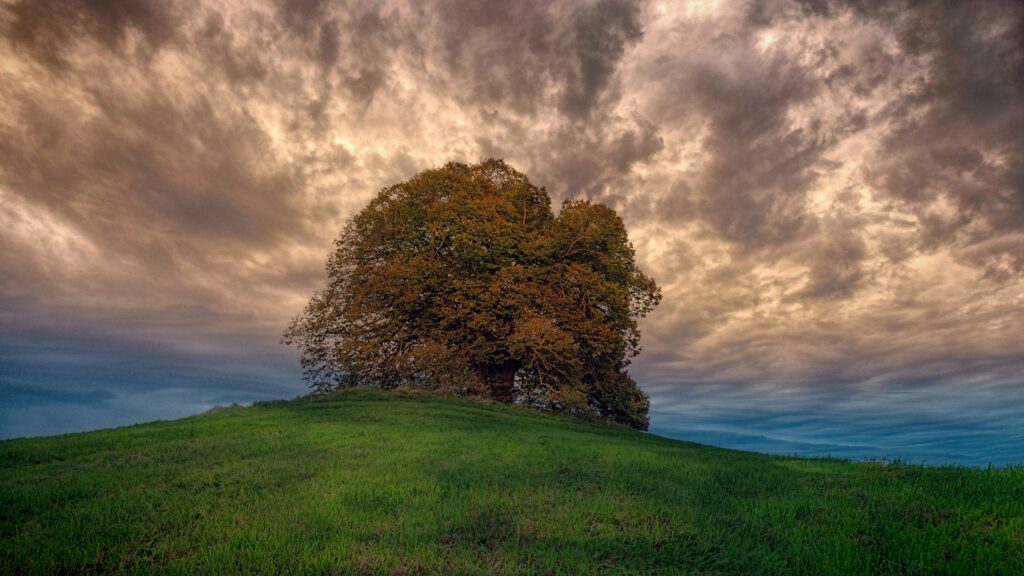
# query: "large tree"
463,278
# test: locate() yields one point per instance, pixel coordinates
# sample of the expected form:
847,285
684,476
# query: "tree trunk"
500,379
503,389
481,377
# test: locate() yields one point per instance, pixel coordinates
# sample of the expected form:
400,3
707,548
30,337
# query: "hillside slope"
373,483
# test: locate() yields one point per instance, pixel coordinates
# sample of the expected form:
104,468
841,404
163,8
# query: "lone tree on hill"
462,278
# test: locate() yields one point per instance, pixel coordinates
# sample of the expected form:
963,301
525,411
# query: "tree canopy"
462,278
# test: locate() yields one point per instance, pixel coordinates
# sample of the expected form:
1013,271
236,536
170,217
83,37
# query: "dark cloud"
601,35
576,161
199,171
752,189
836,264
506,54
329,49
50,29
240,60
522,55
303,16
952,153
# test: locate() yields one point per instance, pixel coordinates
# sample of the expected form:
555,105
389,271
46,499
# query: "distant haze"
831,194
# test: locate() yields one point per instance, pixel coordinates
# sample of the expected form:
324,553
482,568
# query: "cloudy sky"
831,194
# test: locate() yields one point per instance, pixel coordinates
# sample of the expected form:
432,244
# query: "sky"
831,195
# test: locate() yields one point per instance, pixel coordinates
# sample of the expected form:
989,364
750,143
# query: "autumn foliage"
462,278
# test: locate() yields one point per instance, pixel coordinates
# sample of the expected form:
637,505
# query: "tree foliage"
463,278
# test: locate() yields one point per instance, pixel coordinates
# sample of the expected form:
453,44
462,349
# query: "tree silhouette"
462,278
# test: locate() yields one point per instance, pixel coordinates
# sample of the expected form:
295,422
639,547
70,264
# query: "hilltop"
399,484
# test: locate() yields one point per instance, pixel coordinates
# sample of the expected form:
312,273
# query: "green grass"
387,484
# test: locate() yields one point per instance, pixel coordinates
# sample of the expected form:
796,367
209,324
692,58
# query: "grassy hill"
386,484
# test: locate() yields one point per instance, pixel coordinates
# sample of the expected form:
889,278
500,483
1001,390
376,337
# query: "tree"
462,278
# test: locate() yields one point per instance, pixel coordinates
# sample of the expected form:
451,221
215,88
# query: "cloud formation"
830,193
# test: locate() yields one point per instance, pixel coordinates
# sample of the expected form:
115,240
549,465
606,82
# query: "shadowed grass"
372,483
